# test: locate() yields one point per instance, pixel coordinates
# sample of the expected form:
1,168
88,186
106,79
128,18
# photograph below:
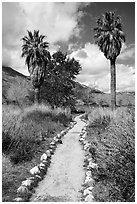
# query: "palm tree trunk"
113,84
37,90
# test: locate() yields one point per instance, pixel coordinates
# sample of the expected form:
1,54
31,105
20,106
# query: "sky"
68,27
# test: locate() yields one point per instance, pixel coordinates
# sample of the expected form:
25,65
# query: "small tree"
59,80
34,48
109,37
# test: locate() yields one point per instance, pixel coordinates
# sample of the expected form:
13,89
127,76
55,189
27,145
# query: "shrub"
115,151
24,130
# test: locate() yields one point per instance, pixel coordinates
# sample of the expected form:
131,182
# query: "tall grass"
24,130
112,135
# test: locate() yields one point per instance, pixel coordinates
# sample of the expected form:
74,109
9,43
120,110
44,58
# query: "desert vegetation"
109,37
112,138
25,135
37,107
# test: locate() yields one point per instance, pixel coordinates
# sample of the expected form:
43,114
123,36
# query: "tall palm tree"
109,37
34,48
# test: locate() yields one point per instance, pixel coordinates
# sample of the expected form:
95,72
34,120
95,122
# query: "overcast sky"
69,27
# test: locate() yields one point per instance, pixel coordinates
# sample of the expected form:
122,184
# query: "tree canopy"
59,79
109,35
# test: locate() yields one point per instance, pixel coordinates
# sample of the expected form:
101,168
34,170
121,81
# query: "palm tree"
34,48
109,37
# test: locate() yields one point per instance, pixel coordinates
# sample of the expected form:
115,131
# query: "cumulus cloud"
96,69
58,21
13,25
125,78
128,52
91,59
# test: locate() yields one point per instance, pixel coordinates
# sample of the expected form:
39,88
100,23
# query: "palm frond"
108,34
34,48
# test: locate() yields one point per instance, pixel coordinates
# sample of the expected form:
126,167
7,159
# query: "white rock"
22,189
90,159
43,157
52,146
58,136
89,198
84,142
87,191
35,170
62,132
89,182
37,176
92,165
81,139
86,146
51,150
18,199
31,178
27,183
42,166
88,179
88,173
52,143
48,153
90,188
57,139
83,136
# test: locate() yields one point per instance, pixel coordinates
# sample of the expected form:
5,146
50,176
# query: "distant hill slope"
16,84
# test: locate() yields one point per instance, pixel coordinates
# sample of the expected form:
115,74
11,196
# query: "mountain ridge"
87,95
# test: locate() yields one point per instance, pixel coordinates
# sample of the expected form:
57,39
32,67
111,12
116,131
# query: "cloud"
125,78
128,52
91,59
58,21
96,69
13,25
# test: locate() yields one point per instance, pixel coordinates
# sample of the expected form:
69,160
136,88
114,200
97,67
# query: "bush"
115,151
23,131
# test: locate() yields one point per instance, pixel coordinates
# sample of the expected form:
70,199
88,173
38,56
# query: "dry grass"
112,136
26,134
24,130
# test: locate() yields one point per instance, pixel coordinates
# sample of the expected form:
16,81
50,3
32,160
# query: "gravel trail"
65,175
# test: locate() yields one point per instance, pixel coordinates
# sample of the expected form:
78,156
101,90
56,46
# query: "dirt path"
65,175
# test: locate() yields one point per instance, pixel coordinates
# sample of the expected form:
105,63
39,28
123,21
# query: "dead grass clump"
115,151
24,130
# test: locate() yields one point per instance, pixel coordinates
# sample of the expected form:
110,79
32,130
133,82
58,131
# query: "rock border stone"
38,172
88,185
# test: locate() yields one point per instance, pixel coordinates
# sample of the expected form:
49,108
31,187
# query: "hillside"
16,88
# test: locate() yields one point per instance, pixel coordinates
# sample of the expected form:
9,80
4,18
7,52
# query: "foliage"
113,138
59,80
23,131
34,48
109,35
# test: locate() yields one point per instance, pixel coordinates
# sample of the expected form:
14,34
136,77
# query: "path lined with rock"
65,175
